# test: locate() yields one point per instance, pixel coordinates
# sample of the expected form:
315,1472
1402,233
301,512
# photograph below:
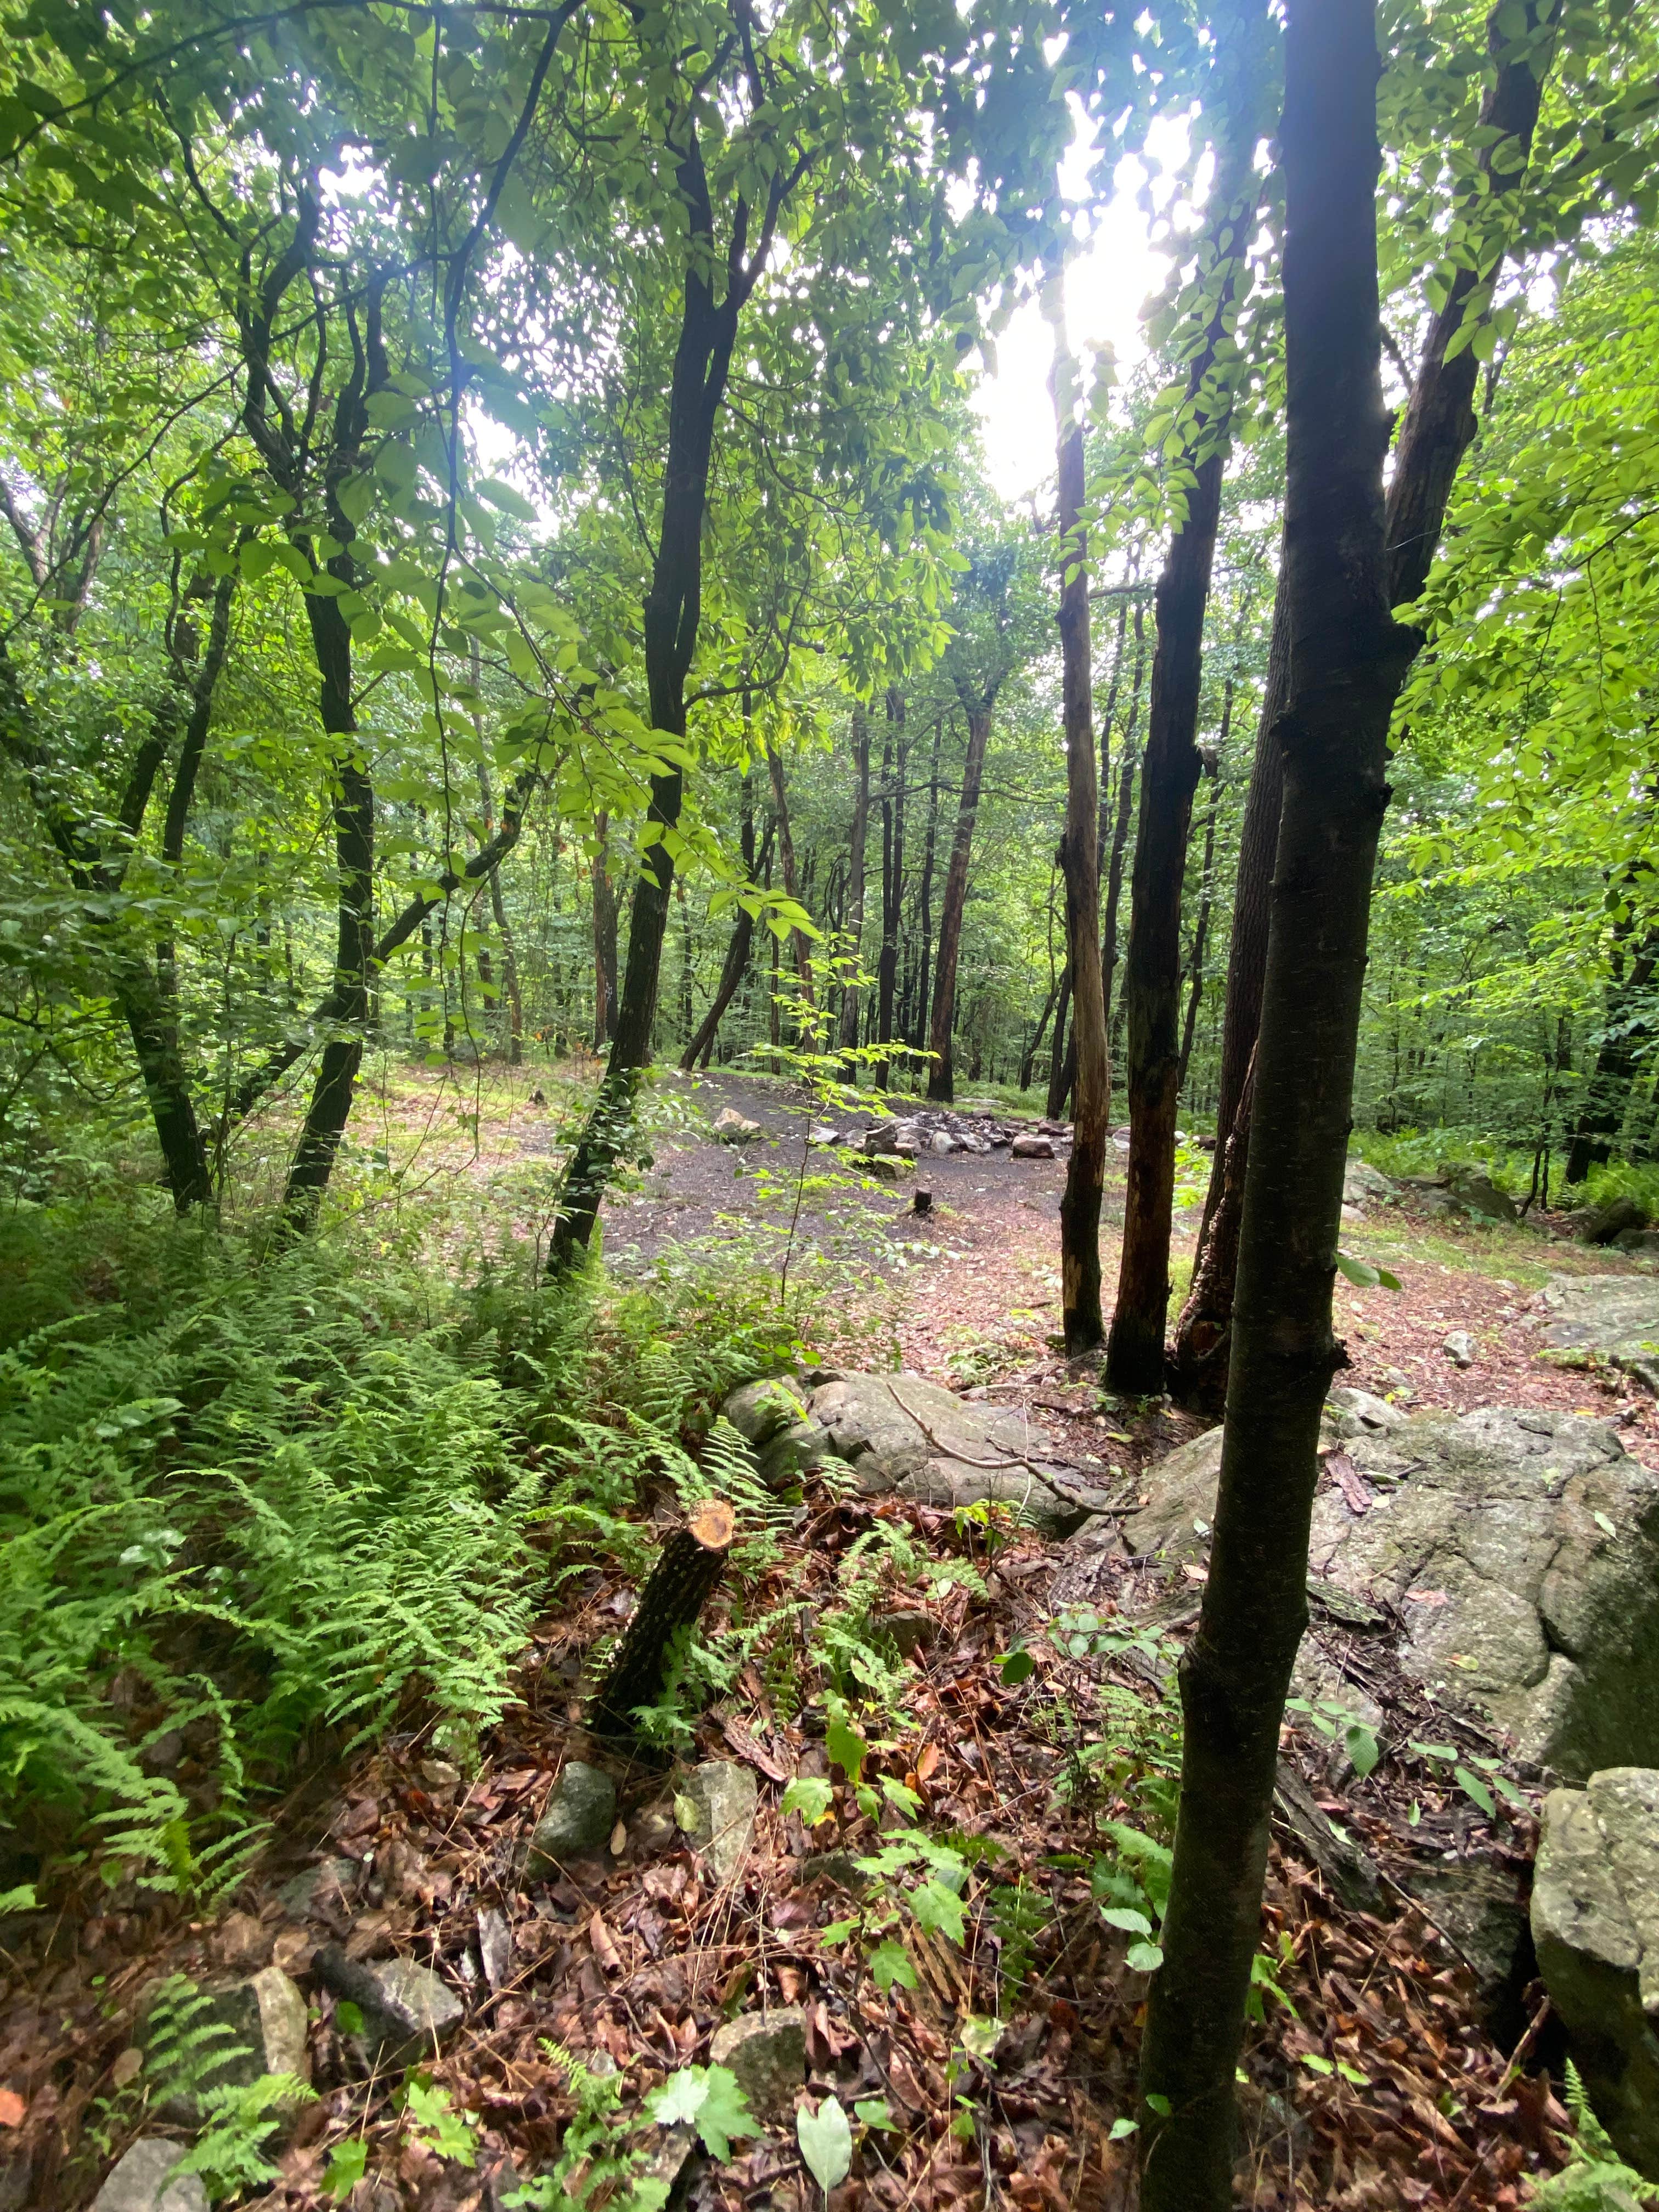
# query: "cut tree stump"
681,1583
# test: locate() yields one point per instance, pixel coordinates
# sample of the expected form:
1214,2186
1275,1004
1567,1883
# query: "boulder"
731,1128
793,1453
1521,1549
1461,1188
1611,1317
1027,1147
944,1143
724,1795
257,2026
578,1817
141,2181
906,1629
902,1434
1595,1926
407,2011
762,1410
767,2051
879,1138
1459,1348
1364,1185
1610,1222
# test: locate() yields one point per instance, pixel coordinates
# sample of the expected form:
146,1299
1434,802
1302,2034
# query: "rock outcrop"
1595,1926
1611,1317
1514,1553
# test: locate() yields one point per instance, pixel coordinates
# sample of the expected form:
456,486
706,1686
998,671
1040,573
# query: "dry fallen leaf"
605,1945
13,2110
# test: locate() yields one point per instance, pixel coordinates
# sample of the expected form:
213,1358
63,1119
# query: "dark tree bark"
895,761
1206,891
1062,1051
918,1033
1028,1058
606,993
687,1569
1438,426
1126,799
1348,660
1085,1173
1169,773
799,945
673,607
854,925
736,965
941,1078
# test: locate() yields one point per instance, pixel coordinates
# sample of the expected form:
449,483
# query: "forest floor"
1369,2081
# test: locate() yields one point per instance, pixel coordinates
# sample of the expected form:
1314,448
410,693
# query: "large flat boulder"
1595,1926
900,1435
1611,1317
1518,1551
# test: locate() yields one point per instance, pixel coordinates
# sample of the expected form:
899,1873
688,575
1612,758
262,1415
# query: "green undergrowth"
254,1508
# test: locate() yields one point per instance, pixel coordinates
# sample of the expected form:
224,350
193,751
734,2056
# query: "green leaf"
837,1931
846,1747
1474,1788
709,2098
873,2112
939,1910
810,1795
1143,1958
1363,1749
1154,2103
1125,1917
1120,2127
502,495
439,2125
1358,1272
826,2143
1017,1667
889,1962
348,2017
345,2168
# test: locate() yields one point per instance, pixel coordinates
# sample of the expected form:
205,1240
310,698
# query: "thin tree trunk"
1028,1058
854,926
1062,1052
1436,431
941,1077
1079,863
1152,976
604,936
503,929
799,943
896,751
1347,664
1126,794
1207,891
918,1031
1627,1029
742,940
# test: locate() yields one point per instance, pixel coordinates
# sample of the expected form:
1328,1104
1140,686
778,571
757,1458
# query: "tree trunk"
925,897
503,929
742,937
896,751
1028,1058
604,937
941,1079
1085,1173
850,997
354,957
1435,433
1348,660
1125,795
1151,977
799,943
1207,891
1062,1052
672,612
687,1569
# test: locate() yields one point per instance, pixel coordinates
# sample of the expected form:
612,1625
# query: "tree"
1348,658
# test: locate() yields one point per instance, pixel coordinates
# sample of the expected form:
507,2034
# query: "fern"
1595,2177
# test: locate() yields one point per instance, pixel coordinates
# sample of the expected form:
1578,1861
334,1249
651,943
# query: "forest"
828,1105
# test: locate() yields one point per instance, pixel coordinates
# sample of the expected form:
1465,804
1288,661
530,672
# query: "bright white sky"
1106,287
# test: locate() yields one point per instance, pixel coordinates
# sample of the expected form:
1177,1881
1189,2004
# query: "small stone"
655,1830
240,1940
439,1774
824,1135
1027,1147
266,2020
1459,1348
731,1128
140,2182
407,2011
579,1817
725,1796
328,1886
908,1140
767,2051
943,1142
885,1167
908,1630
879,1138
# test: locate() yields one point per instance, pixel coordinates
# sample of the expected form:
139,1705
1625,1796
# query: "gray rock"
908,1140
879,1138
1477,1193
1489,1533
320,1889
1478,1903
1356,1412
731,1128
258,2026
140,2181
791,1454
1459,1348
1026,1146
767,2051
902,1434
725,1795
407,2010
1610,1222
908,1630
1640,1243
1613,1317
579,1814
942,1142
1364,1185
760,1410
822,1136
1595,1924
